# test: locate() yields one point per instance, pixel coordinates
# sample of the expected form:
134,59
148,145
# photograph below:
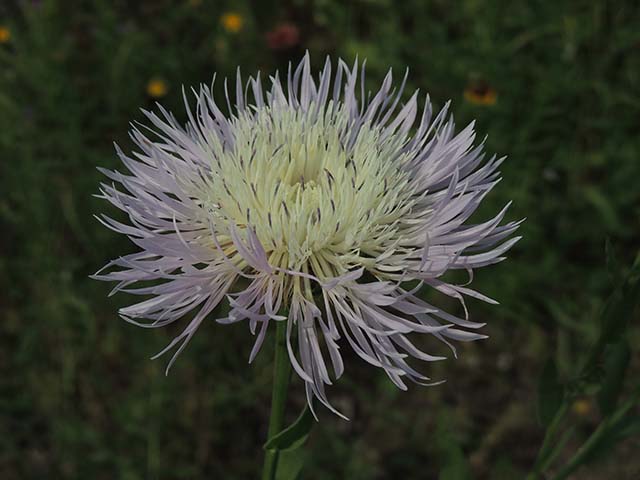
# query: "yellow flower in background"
5,34
157,88
232,22
480,94
581,407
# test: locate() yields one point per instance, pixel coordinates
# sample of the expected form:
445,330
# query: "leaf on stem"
616,361
289,445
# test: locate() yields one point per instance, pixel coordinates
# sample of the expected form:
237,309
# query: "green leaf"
288,444
456,468
504,467
605,207
290,463
631,428
550,446
612,263
610,431
616,361
294,435
618,309
550,393
557,448
455,465
620,306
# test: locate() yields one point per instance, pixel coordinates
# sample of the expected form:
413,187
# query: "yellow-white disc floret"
314,204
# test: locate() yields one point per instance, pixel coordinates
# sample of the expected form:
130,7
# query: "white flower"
314,200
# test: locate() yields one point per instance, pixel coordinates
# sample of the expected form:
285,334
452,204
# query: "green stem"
281,375
609,424
547,444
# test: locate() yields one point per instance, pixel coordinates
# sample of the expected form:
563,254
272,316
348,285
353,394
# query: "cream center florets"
319,193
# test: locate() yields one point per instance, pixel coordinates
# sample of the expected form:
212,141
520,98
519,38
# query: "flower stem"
281,375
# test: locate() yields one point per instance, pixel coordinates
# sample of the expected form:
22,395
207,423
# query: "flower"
5,34
480,94
157,88
283,36
312,205
581,407
232,22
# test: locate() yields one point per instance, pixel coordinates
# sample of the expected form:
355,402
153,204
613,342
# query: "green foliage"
290,443
79,397
295,435
616,363
454,462
603,375
550,393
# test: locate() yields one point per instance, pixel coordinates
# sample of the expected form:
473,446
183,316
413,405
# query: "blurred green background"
554,85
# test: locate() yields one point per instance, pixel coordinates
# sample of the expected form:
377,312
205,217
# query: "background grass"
79,397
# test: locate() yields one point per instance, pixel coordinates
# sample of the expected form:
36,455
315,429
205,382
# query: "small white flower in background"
313,199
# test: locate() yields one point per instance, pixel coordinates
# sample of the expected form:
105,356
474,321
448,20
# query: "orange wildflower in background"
5,34
232,22
157,88
480,94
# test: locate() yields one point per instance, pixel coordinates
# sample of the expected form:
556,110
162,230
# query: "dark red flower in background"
282,36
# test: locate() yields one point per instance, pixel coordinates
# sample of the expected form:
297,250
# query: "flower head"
582,407
480,94
284,35
232,22
313,205
5,34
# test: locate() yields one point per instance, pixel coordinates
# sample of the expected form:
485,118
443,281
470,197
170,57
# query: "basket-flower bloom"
311,203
